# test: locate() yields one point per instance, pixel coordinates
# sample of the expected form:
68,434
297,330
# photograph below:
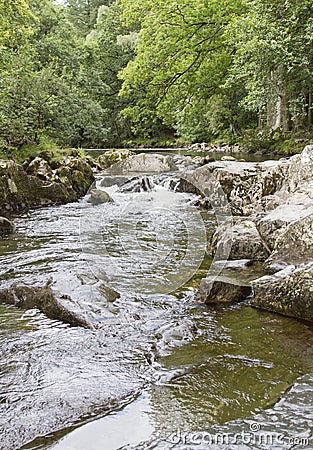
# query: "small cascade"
138,184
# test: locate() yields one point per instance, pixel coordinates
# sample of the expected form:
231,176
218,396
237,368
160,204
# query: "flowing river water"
157,365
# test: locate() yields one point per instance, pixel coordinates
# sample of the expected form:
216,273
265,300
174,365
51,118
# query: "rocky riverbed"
109,276
270,223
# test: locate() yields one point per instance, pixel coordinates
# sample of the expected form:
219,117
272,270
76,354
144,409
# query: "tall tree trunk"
310,106
279,114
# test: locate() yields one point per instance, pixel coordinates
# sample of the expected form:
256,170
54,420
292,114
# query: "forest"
101,73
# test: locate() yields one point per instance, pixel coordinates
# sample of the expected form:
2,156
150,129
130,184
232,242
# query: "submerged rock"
6,227
46,300
69,305
222,289
98,197
288,292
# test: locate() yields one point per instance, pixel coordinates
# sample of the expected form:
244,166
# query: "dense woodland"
97,73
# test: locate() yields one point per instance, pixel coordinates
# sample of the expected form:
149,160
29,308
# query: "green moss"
270,141
46,149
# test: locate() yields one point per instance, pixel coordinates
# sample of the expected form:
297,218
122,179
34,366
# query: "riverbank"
272,210
47,178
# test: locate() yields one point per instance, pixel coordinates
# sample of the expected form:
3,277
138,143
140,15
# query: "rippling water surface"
157,362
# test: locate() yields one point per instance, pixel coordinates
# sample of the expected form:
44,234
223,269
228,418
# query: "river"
157,364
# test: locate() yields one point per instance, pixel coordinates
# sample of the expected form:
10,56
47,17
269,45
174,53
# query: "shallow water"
157,359
186,152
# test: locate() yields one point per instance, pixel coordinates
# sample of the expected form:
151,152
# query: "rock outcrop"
37,184
288,292
49,180
248,187
275,199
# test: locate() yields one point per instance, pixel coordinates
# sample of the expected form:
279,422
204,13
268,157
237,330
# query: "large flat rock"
288,292
273,224
144,163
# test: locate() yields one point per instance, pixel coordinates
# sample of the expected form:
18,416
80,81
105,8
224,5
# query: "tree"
83,13
274,57
16,22
107,50
182,59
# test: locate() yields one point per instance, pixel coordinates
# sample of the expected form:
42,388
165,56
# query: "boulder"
239,241
98,197
222,289
6,227
294,245
144,163
112,157
40,168
288,292
46,300
273,225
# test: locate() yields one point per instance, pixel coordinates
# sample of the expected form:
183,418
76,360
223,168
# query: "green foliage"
182,60
108,48
56,82
98,73
274,57
210,68
83,13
